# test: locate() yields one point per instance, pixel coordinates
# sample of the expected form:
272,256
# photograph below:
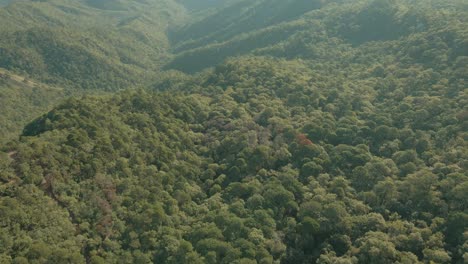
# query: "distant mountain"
110,44
239,17
199,5
88,44
5,2
308,33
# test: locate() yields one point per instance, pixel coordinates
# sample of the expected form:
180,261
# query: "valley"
233,131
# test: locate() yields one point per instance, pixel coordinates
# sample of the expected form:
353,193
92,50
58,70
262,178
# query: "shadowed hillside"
331,30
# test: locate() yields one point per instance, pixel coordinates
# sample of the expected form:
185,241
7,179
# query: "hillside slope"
340,135
105,45
330,31
21,101
237,17
264,161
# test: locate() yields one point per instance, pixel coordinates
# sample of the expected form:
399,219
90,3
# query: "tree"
376,247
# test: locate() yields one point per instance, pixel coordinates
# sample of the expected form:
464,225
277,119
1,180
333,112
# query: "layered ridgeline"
258,161
105,44
323,31
202,5
114,44
65,48
350,147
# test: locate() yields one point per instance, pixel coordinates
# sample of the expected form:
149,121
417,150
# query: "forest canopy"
234,132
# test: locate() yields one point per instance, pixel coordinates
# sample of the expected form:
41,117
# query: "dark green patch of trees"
262,161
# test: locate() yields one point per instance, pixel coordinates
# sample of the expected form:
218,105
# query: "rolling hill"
248,132
80,44
258,161
350,27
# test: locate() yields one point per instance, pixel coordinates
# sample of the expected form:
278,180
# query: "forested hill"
115,44
202,5
328,132
264,161
323,31
96,44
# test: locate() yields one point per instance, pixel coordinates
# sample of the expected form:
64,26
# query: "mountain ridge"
337,135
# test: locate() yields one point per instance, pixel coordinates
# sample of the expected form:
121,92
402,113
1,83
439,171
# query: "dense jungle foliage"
261,131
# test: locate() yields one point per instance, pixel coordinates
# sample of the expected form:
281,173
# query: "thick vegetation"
331,30
102,44
339,137
264,161
21,101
